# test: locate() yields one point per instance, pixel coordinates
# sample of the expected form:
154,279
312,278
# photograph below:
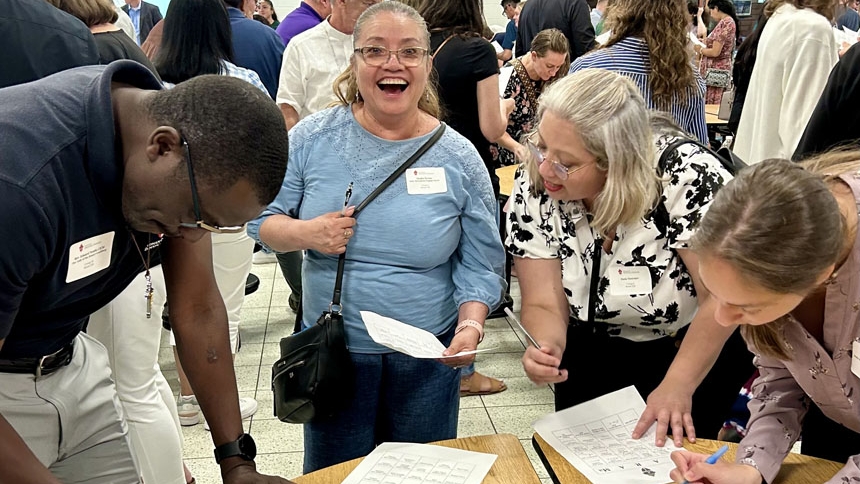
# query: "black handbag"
314,376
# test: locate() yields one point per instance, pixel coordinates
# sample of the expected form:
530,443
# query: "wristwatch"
243,447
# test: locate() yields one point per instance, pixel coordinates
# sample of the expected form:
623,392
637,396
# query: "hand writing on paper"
691,467
465,340
542,365
669,405
330,232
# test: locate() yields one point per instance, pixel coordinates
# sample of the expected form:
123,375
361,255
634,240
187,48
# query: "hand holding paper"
406,339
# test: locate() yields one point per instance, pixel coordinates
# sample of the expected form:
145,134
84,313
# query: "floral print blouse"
816,372
525,91
542,228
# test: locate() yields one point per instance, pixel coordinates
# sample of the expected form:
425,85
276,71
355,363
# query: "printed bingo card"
595,438
402,463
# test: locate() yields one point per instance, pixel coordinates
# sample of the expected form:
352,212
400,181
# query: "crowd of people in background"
748,278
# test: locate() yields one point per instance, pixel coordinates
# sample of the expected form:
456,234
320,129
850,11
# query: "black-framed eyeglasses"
561,171
376,56
200,224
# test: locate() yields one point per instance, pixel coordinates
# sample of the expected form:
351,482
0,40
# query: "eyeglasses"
561,171
376,56
200,224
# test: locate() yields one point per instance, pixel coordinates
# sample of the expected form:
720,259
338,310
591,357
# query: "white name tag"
424,181
855,358
89,256
627,281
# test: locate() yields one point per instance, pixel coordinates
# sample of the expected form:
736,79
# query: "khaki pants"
71,419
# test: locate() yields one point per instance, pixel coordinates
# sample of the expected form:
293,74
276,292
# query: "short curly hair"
233,128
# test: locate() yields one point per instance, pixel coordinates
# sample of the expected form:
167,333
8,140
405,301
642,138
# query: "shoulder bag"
314,376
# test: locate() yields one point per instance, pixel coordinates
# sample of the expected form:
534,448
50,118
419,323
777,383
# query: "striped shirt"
629,57
232,70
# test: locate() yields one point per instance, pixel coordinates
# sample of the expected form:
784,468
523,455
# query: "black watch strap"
243,447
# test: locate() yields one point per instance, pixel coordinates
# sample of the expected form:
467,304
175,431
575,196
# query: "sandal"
478,384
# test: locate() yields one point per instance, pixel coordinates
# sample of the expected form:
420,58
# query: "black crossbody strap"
338,282
595,280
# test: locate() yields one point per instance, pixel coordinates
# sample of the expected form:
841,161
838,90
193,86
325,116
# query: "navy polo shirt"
61,184
257,47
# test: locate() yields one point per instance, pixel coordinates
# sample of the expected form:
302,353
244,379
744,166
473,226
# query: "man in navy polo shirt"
95,163
255,46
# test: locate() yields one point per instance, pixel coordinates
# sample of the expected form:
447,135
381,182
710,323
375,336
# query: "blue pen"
714,457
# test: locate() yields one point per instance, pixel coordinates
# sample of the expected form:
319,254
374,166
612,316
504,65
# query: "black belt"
43,365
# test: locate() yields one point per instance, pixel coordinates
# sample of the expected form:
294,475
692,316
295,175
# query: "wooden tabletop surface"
512,465
711,112
506,179
797,469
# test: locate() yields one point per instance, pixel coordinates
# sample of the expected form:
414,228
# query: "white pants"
72,420
132,341
232,255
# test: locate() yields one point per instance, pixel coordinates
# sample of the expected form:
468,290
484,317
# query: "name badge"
89,256
426,181
629,281
855,358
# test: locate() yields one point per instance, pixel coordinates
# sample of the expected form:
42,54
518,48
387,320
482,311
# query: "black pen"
346,198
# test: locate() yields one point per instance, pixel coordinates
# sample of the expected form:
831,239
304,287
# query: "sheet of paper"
695,40
850,35
595,438
504,77
498,47
400,463
415,342
604,37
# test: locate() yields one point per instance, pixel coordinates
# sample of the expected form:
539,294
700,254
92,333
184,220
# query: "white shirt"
312,61
795,55
124,22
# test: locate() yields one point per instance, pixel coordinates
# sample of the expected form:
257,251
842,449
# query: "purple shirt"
297,21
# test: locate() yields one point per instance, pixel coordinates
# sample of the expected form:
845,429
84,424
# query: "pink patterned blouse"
818,373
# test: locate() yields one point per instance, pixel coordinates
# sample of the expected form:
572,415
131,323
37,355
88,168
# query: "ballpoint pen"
346,198
516,320
714,457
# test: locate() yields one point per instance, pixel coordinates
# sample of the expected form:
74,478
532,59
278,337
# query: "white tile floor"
266,317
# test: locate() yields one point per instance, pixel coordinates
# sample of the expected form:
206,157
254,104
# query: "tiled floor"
266,318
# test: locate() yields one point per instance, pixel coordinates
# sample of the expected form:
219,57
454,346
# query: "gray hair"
612,120
346,85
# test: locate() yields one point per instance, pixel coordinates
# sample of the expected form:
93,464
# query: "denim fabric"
397,399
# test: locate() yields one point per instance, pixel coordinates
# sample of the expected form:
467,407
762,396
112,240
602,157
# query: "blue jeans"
397,399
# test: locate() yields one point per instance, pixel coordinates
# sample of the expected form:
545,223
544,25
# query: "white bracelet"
471,323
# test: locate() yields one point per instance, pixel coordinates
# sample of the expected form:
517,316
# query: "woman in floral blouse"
548,61
590,202
720,45
797,306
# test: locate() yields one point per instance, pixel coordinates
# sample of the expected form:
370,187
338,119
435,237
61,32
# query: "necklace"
149,291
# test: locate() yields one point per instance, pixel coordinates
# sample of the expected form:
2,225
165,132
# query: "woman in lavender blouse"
779,253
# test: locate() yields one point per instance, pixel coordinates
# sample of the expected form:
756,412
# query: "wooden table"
512,465
506,179
796,469
711,112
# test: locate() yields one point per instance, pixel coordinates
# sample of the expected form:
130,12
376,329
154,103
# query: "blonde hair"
827,8
552,40
346,85
609,114
778,224
90,12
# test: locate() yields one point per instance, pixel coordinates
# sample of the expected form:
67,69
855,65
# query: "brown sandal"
478,384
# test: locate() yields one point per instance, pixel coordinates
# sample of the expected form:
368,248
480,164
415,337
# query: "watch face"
248,446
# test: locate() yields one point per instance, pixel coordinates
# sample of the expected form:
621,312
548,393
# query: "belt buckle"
42,362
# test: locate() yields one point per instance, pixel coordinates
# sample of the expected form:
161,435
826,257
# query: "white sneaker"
189,410
247,406
265,258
